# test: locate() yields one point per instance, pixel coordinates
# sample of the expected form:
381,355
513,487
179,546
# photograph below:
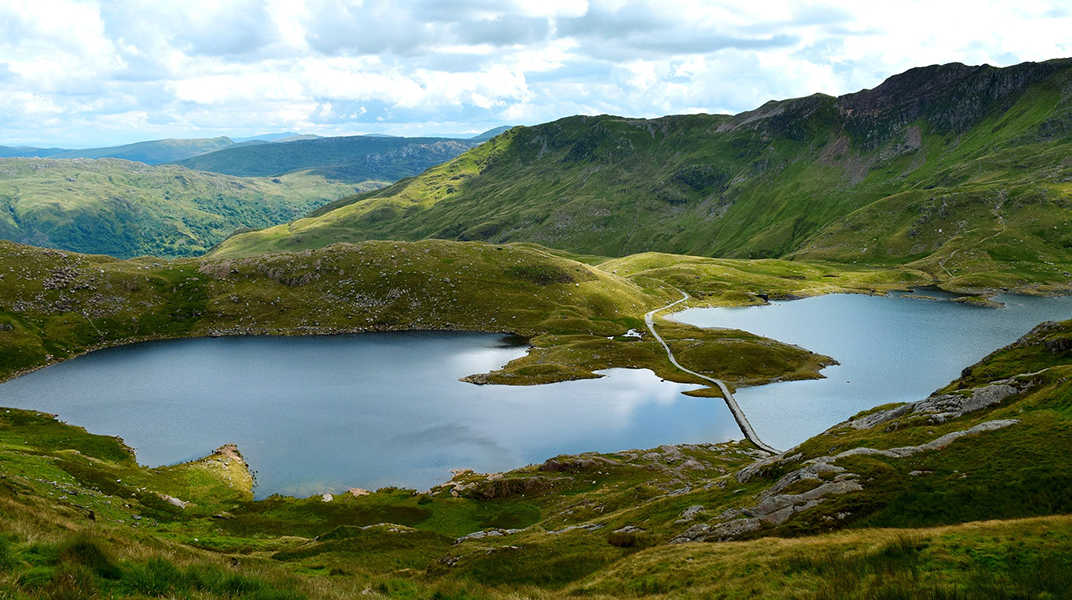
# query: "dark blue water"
891,349
321,414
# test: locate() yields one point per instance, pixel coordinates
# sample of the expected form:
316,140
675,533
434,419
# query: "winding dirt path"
731,402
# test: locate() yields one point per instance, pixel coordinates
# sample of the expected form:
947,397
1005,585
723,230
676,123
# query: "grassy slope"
817,177
997,217
128,209
353,159
55,474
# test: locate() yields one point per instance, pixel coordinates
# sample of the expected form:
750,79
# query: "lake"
322,414
891,349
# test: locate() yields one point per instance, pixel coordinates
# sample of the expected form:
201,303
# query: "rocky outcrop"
943,407
774,507
569,464
937,444
691,513
952,97
504,487
479,535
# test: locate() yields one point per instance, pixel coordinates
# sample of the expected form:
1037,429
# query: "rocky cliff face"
952,98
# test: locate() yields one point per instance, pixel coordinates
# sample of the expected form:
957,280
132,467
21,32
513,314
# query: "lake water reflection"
891,349
322,414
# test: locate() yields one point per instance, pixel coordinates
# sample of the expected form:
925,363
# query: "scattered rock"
478,378
479,535
571,465
943,407
941,442
696,533
691,513
173,501
60,278
504,487
587,527
775,508
760,466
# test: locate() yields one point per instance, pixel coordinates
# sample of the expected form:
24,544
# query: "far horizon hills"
166,150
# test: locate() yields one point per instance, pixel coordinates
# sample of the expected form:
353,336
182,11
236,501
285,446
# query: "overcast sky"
93,73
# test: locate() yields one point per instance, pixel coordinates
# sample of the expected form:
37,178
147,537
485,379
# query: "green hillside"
152,152
354,158
125,209
925,169
961,495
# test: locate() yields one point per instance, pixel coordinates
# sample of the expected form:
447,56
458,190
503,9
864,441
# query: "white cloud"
86,72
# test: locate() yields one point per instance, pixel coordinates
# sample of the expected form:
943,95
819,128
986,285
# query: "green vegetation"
129,209
996,559
354,159
965,186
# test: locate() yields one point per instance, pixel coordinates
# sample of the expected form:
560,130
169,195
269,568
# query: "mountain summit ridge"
765,183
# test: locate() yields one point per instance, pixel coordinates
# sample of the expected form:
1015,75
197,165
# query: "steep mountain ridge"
763,183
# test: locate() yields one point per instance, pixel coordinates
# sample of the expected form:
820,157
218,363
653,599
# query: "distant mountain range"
155,152
958,170
353,158
151,153
86,201
288,136
125,209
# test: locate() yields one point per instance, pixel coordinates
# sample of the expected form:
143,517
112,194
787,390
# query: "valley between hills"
568,233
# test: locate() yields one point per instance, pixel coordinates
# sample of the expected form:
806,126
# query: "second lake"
890,349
